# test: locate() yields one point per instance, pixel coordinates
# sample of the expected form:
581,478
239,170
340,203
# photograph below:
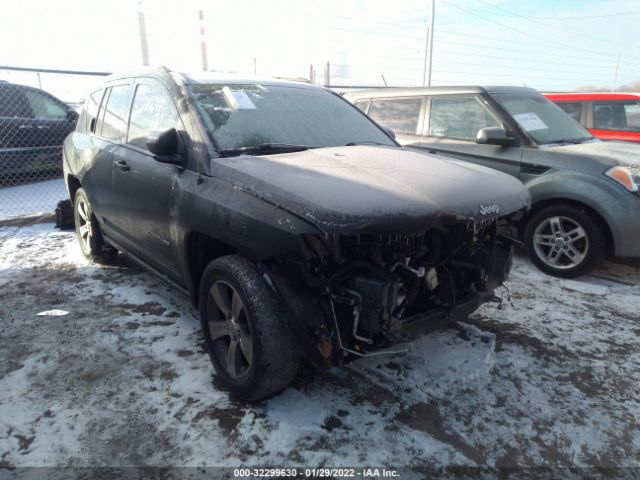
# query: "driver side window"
45,108
152,111
458,117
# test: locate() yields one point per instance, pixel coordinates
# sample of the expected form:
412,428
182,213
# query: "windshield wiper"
575,141
263,147
366,142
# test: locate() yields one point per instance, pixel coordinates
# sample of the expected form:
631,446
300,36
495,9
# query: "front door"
145,188
450,127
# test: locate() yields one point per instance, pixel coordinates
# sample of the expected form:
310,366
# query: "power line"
586,17
546,40
546,24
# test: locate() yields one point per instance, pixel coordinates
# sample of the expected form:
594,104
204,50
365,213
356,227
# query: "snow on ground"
31,199
123,378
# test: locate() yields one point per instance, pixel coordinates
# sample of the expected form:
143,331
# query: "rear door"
451,124
616,120
145,188
109,130
403,115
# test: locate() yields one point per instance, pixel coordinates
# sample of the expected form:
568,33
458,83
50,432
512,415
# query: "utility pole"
433,19
327,74
312,74
142,28
426,55
203,42
615,75
255,67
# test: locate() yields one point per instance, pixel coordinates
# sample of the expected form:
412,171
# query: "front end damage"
362,295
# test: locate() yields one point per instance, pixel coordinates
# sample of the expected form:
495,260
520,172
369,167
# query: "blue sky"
549,45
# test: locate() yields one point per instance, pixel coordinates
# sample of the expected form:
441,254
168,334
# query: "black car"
297,225
33,125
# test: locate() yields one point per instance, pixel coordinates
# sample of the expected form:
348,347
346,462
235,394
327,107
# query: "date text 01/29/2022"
315,472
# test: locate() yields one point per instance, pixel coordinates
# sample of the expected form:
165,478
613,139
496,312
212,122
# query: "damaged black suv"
296,224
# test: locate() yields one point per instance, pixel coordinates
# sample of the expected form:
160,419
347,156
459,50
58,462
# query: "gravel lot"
105,367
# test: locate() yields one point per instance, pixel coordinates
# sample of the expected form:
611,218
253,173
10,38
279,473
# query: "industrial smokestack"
142,28
203,42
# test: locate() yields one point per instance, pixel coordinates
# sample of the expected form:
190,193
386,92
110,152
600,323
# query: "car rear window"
115,115
399,114
623,116
90,111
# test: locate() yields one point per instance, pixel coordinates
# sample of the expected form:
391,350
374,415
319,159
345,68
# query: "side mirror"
389,132
494,136
164,146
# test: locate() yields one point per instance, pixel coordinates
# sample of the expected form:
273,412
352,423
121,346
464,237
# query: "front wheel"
246,330
564,241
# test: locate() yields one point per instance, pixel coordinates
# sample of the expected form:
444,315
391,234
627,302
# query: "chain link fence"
33,126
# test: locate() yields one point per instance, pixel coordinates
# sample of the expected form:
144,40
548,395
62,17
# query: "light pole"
426,57
433,18
142,28
615,75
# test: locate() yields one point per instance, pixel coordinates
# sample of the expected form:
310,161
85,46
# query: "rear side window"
152,111
45,107
362,104
13,103
623,116
574,109
458,117
399,114
114,121
90,111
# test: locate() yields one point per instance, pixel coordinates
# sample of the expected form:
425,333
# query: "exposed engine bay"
375,291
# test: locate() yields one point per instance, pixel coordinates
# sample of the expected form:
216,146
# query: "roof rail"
294,79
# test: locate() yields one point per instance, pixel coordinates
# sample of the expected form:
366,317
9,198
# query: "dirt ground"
105,366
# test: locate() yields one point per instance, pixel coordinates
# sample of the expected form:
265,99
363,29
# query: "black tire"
551,252
263,323
90,239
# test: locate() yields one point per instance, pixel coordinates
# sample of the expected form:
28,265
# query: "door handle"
122,165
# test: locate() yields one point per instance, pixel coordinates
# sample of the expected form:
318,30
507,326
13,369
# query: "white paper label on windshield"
243,100
238,100
530,121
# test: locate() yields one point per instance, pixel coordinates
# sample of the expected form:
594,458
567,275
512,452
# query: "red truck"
608,116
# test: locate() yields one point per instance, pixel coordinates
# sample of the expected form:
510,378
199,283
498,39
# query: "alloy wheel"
84,224
229,329
560,242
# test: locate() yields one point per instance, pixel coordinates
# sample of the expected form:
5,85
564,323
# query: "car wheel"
88,231
246,329
564,241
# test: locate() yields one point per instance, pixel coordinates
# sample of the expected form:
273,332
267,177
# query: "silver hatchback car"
585,192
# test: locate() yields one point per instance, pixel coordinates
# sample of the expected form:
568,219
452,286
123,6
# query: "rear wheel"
246,330
88,231
565,241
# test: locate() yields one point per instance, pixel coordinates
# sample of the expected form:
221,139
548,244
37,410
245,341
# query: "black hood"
367,189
